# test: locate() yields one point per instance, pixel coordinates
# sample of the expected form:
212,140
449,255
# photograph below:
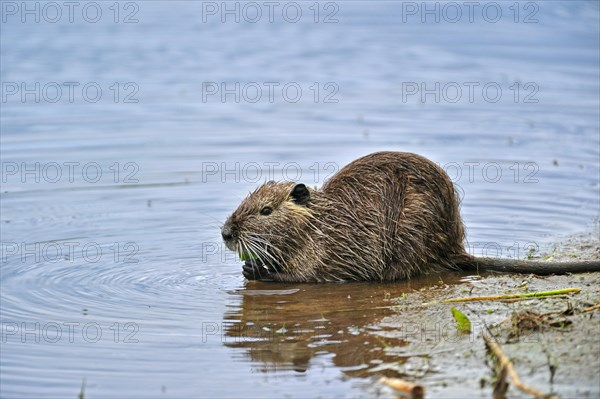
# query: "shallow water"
112,268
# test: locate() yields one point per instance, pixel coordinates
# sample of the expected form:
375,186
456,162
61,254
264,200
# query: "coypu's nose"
226,233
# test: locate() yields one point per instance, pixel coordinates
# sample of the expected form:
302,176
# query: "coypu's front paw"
256,270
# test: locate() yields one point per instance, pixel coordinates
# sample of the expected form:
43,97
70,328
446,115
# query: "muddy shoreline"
556,349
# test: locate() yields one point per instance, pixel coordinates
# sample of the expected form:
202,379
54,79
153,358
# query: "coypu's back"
398,210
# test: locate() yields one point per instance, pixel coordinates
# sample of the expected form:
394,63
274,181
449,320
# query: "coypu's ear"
300,194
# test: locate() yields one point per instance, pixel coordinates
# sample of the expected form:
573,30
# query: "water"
112,268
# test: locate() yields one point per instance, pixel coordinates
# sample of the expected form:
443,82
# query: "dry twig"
510,370
416,391
539,294
592,308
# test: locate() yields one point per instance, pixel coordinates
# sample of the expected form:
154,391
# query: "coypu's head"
270,223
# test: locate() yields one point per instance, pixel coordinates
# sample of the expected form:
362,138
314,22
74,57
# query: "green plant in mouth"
244,256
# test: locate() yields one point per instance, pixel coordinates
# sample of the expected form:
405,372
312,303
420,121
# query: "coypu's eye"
266,211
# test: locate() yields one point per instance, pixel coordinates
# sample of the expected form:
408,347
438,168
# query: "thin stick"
416,391
595,307
540,294
507,364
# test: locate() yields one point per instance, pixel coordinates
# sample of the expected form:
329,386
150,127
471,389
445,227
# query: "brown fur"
386,216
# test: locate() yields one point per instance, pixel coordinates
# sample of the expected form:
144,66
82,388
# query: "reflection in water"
284,326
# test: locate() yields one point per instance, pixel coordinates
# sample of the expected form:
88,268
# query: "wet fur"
386,216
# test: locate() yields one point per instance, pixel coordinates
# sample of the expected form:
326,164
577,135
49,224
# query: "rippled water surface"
112,268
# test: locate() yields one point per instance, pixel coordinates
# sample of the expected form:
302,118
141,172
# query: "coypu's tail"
522,266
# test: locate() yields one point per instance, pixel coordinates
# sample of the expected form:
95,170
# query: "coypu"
383,217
